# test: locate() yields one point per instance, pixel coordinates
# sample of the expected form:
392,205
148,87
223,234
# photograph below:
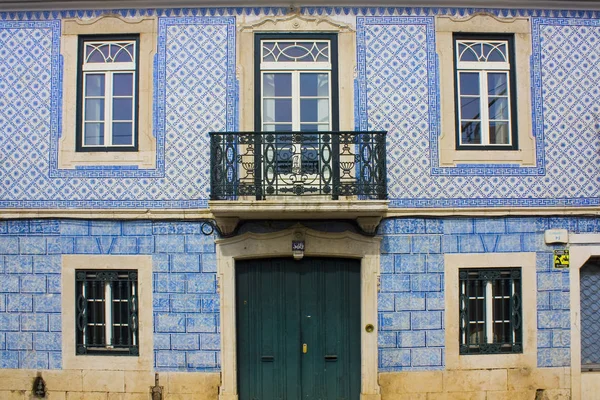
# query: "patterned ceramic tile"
196,91
195,94
397,91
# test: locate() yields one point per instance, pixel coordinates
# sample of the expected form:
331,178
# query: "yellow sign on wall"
561,258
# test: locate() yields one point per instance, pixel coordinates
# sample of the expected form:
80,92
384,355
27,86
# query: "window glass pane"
309,127
277,85
467,52
94,84
94,110
122,52
471,133
476,288
123,84
267,51
277,110
495,52
122,109
323,51
314,110
122,133
469,83
498,108
476,334
501,309
96,53
314,127
502,333
93,134
277,127
497,83
469,108
476,310
312,84
499,133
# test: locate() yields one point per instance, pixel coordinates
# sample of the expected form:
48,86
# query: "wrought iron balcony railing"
265,164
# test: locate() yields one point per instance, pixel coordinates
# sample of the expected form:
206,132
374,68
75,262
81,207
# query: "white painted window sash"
108,316
484,100
108,108
295,97
108,69
482,68
489,312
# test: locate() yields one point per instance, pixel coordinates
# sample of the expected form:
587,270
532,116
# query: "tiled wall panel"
397,89
185,299
411,298
186,303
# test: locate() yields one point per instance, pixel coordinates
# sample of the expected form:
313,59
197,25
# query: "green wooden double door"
298,329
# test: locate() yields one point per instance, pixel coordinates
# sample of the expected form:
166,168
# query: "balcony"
298,175
267,164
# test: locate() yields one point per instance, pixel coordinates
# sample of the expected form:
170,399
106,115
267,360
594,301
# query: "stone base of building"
484,384
108,385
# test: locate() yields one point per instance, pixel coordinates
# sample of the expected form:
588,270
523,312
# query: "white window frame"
483,68
108,69
295,68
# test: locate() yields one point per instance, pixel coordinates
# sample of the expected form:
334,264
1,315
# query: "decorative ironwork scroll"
264,164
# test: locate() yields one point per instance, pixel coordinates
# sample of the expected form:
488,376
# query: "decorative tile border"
255,11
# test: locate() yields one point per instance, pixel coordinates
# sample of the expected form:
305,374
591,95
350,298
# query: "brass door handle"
304,348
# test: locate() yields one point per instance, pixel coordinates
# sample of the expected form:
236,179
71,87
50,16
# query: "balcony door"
296,99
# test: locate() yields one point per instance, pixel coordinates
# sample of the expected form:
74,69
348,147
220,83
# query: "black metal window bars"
107,312
263,164
490,311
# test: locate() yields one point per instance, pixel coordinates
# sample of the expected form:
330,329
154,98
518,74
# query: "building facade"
320,201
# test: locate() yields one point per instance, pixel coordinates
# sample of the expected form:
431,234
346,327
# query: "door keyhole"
304,348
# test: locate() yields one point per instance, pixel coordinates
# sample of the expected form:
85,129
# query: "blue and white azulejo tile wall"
194,93
411,300
186,303
399,92
397,89
185,299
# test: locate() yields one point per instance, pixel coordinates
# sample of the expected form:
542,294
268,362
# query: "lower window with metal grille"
490,311
107,312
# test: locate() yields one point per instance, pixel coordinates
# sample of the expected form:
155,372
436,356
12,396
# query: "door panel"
283,304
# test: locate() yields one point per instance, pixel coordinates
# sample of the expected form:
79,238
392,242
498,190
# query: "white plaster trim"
527,262
191,214
298,208
318,244
578,257
104,213
143,264
294,22
583,238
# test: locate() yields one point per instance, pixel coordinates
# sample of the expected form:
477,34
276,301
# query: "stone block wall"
497,384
